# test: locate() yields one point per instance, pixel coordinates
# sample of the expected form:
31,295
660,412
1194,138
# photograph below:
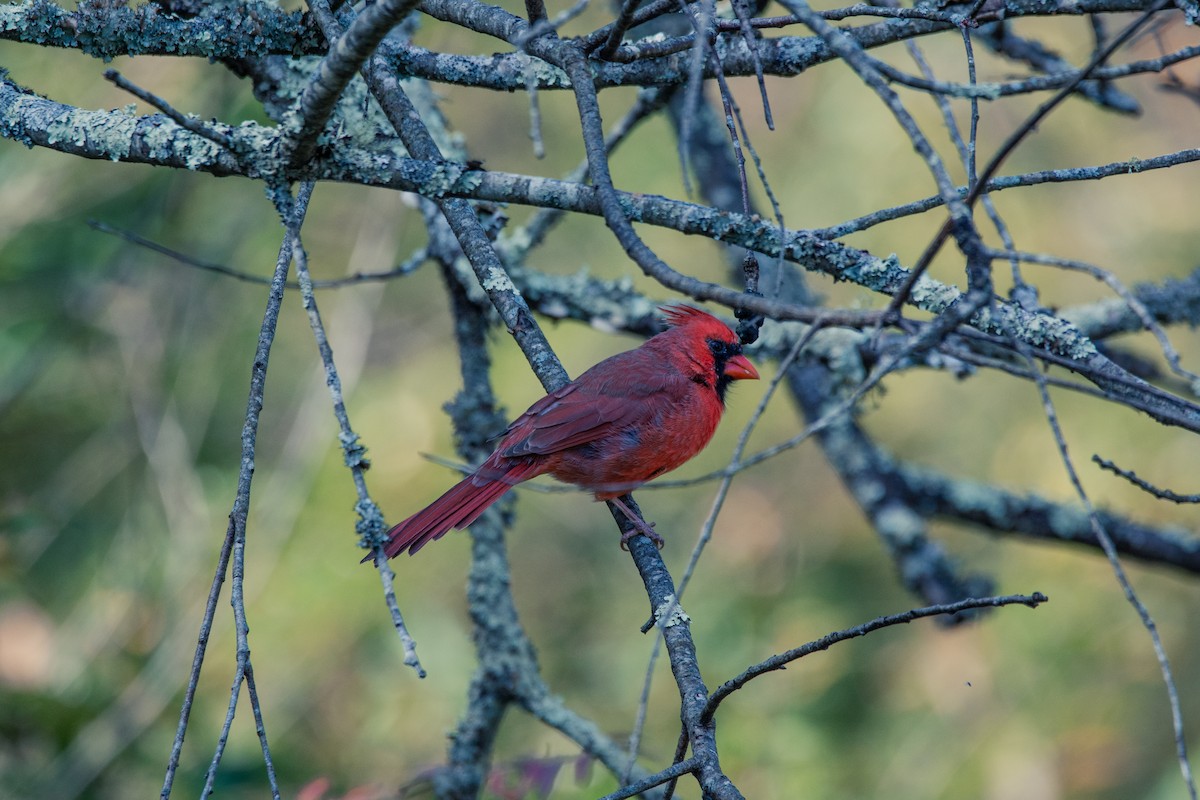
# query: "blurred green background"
123,380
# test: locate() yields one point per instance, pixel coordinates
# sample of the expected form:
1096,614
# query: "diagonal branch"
436,178
781,661
346,56
370,525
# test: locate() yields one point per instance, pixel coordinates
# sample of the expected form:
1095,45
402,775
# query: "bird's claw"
644,528
639,526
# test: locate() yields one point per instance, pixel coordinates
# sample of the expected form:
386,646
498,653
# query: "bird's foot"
641,527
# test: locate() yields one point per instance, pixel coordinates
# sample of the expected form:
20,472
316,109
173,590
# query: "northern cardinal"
626,420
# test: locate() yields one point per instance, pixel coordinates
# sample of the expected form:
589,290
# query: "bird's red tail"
457,508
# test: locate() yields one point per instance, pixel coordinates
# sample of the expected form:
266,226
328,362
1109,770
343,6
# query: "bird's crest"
678,316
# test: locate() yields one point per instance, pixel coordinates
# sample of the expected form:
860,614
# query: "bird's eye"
721,349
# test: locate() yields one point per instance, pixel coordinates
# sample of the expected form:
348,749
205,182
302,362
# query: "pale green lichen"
933,296
107,133
366,167
12,14
899,524
874,273
167,140
868,492
496,279
1068,523
670,613
988,91
516,241
973,495
1098,314
839,349
449,177
536,71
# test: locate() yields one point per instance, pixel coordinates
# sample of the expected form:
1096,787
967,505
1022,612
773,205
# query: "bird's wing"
595,405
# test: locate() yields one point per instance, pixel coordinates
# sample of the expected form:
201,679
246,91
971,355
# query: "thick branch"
1173,301
999,511
154,139
261,29
106,30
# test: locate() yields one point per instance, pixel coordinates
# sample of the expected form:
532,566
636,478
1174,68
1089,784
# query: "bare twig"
1010,144
1161,494
657,779
182,120
370,526
1114,559
742,11
237,519
410,264
616,31
189,694
825,642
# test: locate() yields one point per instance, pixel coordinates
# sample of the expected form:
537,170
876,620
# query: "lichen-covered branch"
155,139
261,29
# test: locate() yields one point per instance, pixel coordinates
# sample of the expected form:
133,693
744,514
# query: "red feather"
626,420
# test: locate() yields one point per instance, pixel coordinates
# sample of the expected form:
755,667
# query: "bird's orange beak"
739,368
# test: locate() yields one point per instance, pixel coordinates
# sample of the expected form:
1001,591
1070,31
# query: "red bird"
625,421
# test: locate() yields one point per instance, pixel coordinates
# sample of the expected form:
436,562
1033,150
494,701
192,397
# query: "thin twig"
1131,166
189,694
1039,83
535,115
616,31
1114,560
1161,494
370,524
727,103
190,123
657,779
545,24
741,10
1127,296
241,509
968,149
407,267
701,21
825,642
1015,138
